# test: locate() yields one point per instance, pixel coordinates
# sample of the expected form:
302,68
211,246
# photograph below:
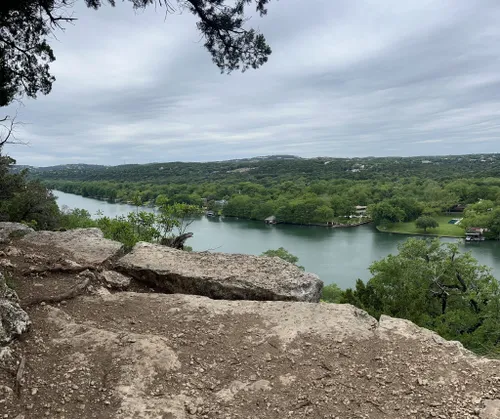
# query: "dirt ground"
140,354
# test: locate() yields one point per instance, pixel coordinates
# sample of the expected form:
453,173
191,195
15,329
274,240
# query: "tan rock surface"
149,356
219,275
86,246
7,229
155,356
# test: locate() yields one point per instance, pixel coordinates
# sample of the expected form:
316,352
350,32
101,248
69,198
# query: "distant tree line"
312,201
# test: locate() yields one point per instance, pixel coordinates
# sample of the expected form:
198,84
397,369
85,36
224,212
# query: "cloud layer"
345,79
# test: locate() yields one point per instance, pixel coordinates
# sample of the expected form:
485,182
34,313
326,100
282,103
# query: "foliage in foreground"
284,254
25,201
437,287
136,226
330,294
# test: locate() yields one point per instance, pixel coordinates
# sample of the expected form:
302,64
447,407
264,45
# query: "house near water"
271,220
475,234
361,209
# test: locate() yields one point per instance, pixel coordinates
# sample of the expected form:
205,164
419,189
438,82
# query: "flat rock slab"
150,356
87,246
220,275
8,229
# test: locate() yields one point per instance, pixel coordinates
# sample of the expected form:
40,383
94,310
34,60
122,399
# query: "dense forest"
303,191
262,169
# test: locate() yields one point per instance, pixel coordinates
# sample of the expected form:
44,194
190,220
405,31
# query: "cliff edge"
105,344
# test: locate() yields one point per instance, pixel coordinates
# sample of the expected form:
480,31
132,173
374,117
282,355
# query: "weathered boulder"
14,321
219,275
149,356
7,229
87,246
115,280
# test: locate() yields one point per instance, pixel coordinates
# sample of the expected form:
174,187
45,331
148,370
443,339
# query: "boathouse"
271,220
475,234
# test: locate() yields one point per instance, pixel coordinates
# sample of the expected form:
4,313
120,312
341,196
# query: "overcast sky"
346,78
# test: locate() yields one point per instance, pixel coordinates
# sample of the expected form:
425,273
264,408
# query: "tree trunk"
176,242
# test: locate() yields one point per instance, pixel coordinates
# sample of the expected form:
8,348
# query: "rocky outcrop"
123,355
86,246
149,356
219,275
13,319
11,229
115,280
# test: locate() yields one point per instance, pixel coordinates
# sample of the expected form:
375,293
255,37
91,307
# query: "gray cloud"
345,79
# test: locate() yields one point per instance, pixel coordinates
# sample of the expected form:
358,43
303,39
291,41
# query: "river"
336,255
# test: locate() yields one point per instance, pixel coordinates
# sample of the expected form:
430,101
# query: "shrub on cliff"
25,201
284,254
135,226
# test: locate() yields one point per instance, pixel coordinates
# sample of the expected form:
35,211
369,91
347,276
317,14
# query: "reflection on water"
336,255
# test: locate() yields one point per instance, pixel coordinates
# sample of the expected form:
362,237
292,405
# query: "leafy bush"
284,254
76,218
136,226
437,287
332,294
25,201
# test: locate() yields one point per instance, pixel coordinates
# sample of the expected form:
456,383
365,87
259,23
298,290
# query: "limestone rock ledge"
220,275
149,356
87,246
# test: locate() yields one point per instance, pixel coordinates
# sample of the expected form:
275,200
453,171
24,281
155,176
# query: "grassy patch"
444,228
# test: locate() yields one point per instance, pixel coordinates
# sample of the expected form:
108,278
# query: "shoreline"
149,205
300,224
419,234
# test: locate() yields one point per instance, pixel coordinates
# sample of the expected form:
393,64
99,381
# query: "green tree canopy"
284,254
23,200
424,222
384,212
435,286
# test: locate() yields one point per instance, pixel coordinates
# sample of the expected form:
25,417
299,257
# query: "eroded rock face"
220,275
86,245
7,229
149,356
14,321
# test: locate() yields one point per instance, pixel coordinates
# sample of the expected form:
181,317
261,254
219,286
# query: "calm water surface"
336,255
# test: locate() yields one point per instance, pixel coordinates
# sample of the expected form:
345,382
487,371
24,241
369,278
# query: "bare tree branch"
7,131
26,26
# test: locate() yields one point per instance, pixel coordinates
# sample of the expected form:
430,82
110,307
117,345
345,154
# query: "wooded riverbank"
338,255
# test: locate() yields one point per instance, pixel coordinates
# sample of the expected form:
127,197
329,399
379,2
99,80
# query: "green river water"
336,255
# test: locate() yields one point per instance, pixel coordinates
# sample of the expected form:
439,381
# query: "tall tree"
25,54
424,222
